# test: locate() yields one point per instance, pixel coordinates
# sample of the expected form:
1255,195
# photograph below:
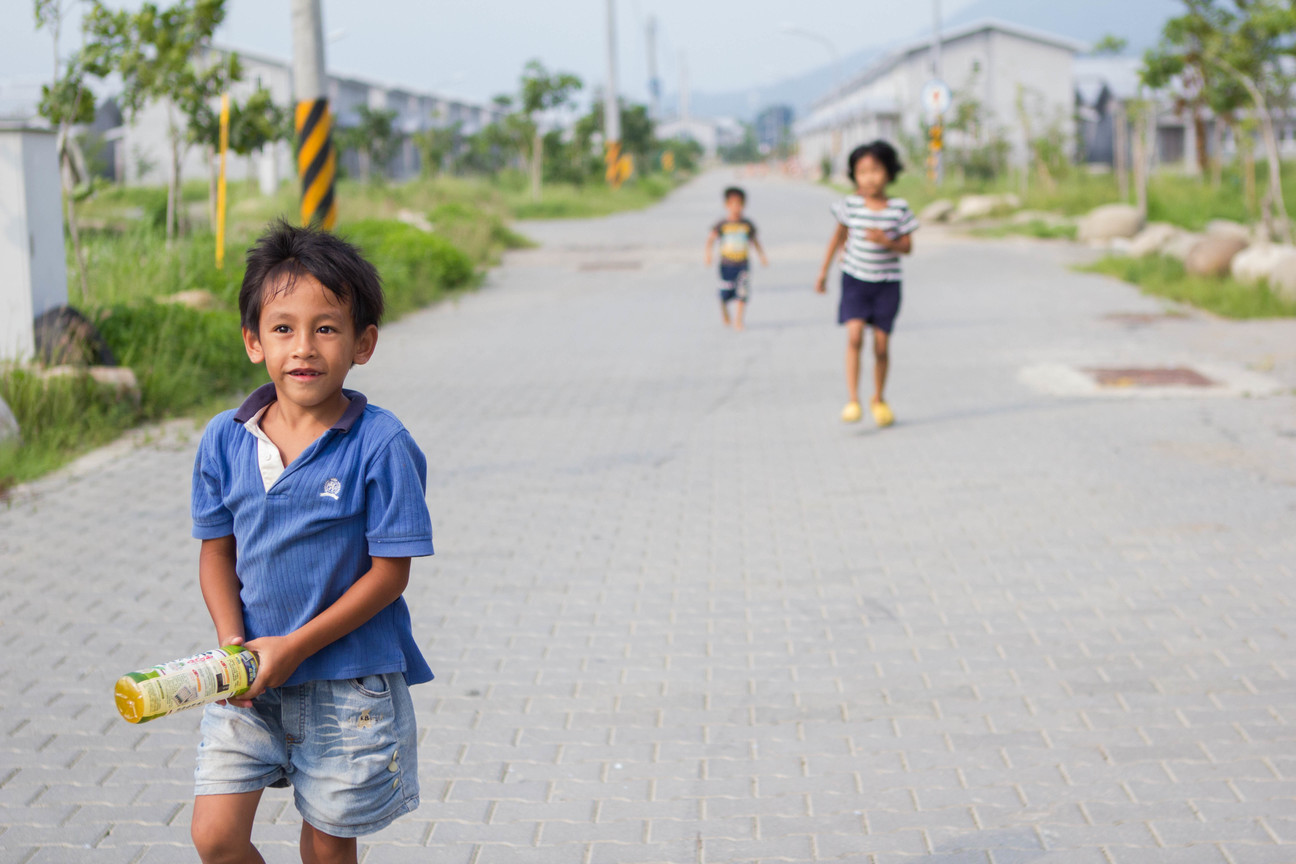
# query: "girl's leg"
320,848
882,362
854,344
222,828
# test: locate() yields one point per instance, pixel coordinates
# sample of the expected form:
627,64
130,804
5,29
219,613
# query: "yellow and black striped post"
316,163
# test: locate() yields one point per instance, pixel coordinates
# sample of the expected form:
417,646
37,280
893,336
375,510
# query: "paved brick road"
680,614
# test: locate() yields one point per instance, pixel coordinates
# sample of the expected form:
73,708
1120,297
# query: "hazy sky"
476,48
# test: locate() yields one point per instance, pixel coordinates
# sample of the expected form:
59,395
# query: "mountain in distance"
1137,21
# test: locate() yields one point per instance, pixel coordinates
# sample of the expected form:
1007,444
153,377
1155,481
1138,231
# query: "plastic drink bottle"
147,694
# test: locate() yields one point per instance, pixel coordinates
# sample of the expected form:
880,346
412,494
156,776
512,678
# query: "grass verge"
1036,228
1165,277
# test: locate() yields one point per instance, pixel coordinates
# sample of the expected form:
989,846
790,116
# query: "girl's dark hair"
285,252
734,190
883,152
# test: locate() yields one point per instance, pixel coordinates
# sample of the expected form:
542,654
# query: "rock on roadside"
1181,244
1213,254
982,206
1152,239
120,378
196,299
1282,281
1108,222
939,210
1256,263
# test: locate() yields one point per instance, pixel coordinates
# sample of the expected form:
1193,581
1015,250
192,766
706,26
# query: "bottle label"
185,683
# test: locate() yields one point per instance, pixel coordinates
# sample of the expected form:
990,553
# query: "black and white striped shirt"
871,262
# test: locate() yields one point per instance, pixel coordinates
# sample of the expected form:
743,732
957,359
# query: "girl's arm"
838,240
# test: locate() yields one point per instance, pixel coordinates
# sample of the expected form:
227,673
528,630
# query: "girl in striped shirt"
874,232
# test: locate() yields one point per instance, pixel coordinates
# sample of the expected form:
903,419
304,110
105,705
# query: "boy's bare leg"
854,344
881,363
222,828
739,309
724,312
320,848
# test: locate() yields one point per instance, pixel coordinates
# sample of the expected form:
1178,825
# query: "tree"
745,151
253,123
1230,44
374,138
66,102
1110,45
541,91
434,146
155,52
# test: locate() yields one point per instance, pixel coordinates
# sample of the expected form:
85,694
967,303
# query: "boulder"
120,378
1043,217
64,335
195,299
1256,263
1282,281
8,424
982,206
1109,222
1228,228
418,220
937,211
1152,239
1181,244
1213,254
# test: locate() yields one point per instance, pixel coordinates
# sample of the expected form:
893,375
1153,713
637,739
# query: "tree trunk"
1246,150
1203,151
70,208
211,187
1283,226
1120,150
537,157
1217,157
1141,157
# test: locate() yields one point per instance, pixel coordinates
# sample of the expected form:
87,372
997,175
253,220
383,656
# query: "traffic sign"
936,98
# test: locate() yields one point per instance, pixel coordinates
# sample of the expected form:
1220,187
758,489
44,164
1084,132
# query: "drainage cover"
611,265
1178,376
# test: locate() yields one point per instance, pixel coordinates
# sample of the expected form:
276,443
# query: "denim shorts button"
392,766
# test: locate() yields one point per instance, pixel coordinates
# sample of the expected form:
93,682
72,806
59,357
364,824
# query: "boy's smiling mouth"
304,374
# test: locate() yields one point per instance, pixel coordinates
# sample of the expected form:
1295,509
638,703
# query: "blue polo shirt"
356,492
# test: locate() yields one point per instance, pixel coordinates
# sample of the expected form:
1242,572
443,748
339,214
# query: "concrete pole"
684,89
654,83
316,159
611,106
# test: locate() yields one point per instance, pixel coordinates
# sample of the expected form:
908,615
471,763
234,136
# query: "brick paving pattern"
681,614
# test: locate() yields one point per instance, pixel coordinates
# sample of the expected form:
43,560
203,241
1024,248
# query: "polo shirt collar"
265,394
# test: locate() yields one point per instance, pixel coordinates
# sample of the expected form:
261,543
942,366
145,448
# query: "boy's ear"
365,344
252,344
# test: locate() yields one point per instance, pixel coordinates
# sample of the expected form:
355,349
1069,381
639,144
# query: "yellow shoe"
882,415
852,413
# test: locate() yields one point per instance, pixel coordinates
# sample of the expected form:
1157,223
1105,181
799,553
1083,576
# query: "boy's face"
734,206
870,176
308,342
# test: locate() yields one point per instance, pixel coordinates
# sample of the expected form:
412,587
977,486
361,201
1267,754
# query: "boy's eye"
280,328
327,329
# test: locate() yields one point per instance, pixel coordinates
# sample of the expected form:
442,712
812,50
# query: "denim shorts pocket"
373,686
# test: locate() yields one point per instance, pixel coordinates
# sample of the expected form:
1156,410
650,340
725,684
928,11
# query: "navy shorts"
735,283
875,303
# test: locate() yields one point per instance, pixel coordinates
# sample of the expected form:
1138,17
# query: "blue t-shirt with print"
357,491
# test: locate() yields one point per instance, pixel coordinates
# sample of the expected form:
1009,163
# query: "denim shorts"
348,748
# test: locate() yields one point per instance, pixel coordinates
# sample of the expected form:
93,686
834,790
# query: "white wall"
32,253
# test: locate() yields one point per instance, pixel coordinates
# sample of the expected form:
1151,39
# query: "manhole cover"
1142,319
611,265
1178,376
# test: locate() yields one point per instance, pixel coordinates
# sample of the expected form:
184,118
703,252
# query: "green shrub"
182,357
1166,277
416,267
58,417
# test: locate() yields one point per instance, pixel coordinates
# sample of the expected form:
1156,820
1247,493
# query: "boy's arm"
837,241
711,238
760,251
279,656
220,588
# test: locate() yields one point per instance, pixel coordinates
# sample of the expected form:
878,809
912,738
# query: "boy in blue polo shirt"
309,503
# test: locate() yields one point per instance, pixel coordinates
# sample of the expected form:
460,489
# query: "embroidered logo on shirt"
332,488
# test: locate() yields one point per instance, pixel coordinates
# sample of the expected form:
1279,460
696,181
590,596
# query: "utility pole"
316,159
938,127
654,83
611,106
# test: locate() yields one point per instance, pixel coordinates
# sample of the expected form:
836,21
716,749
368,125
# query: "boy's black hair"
883,152
734,190
285,252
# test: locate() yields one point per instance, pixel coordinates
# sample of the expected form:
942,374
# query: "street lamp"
793,30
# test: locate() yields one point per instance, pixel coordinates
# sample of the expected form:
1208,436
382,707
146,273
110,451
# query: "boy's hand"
708,258
821,284
277,659
764,260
